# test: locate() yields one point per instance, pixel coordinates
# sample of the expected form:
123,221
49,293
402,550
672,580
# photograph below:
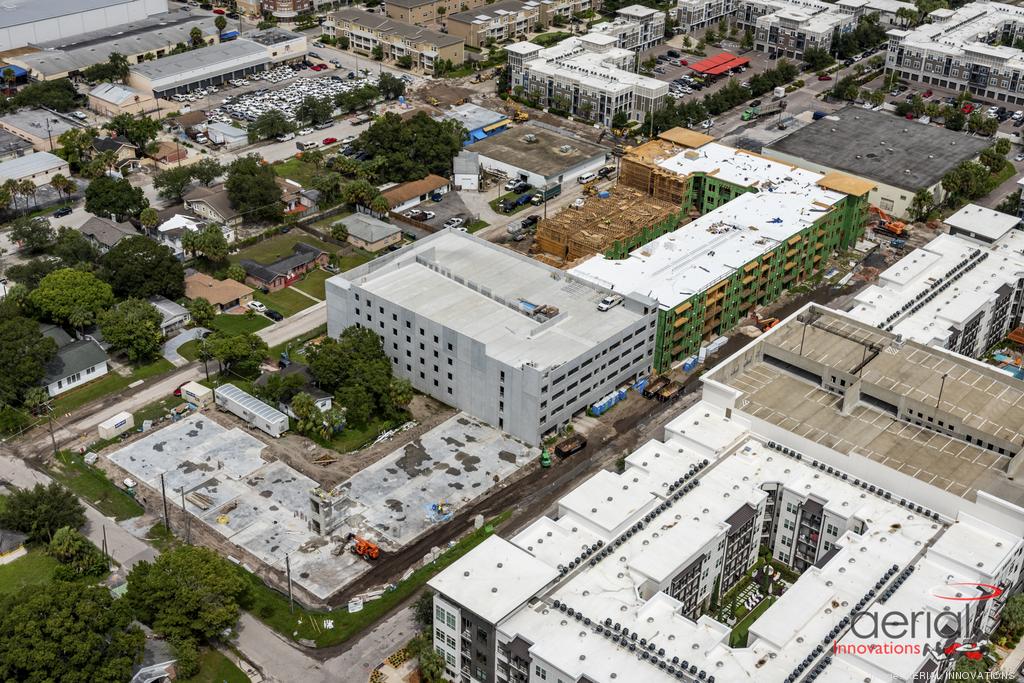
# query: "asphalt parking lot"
450,206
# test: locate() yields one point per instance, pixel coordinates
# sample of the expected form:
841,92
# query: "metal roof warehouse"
210,65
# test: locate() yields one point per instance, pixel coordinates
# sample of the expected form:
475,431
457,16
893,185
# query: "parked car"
530,221
707,123
305,131
330,141
62,211
257,306
454,222
273,315
824,77
586,178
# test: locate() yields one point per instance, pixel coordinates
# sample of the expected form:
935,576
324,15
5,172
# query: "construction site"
604,223
239,498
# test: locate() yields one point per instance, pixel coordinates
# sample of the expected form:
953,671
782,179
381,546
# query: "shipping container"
254,411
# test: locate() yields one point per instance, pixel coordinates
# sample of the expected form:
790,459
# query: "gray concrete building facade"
508,339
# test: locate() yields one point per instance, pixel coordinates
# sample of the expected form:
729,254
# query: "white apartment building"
956,292
588,75
691,15
514,342
635,27
618,585
788,27
958,50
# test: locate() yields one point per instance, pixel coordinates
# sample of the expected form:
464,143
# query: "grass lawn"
34,569
296,344
549,39
496,203
92,484
279,246
313,283
324,224
738,637
354,260
108,384
298,170
285,301
476,225
190,349
214,667
271,607
237,324
350,438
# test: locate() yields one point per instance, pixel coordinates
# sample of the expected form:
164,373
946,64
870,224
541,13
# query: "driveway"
172,345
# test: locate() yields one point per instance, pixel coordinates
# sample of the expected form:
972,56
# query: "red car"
927,94
824,77
318,67
967,108
219,11
683,62
330,141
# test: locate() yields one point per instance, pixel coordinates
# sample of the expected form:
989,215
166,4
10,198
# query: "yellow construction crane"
515,111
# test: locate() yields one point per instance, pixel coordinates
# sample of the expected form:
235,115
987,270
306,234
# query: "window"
451,642
451,620
540,673
439,614
439,634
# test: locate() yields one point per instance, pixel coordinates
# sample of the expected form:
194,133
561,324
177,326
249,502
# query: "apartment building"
587,76
425,12
965,50
635,28
365,31
509,340
693,15
765,227
957,292
788,27
617,585
499,21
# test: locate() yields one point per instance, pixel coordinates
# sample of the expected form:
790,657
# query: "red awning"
719,64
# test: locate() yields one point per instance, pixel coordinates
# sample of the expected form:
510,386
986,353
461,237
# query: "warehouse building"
112,99
509,340
766,226
539,155
149,38
38,127
23,22
953,293
199,68
479,122
39,168
588,75
622,584
898,156
12,146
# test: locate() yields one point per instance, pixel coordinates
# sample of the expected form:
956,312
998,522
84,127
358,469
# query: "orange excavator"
368,550
887,224
764,324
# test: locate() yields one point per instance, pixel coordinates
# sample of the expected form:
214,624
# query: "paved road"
123,547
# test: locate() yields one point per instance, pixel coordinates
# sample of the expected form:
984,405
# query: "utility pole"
942,386
186,523
163,495
106,553
288,566
49,420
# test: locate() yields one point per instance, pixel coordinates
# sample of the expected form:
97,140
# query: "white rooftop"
922,271
952,32
30,164
682,263
593,62
494,579
618,587
485,292
983,221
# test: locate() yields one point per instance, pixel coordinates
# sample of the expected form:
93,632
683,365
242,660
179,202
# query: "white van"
586,178
286,137
305,146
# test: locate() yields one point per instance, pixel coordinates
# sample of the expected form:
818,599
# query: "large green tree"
202,311
72,296
171,184
188,593
78,556
412,148
24,353
41,510
269,124
73,249
241,353
206,170
139,267
315,109
133,326
211,243
253,190
115,197
141,131
34,234
68,632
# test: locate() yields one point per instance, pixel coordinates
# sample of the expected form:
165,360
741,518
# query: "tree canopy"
241,353
139,267
269,124
72,296
77,555
412,148
133,326
69,632
141,131
24,353
187,593
115,197
41,510
34,234
171,184
253,190
355,367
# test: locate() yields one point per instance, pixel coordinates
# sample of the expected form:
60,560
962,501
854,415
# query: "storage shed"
196,394
252,410
116,425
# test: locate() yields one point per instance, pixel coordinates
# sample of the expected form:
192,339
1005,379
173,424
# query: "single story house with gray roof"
369,233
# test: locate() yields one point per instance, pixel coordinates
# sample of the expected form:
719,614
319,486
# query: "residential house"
77,361
175,225
322,399
295,198
369,233
223,294
175,316
499,21
283,272
104,233
192,119
407,195
125,153
213,204
168,152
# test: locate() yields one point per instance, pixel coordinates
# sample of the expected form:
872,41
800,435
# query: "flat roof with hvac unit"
538,150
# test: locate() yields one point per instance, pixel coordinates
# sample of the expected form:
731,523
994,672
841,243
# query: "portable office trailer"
252,410
196,394
116,425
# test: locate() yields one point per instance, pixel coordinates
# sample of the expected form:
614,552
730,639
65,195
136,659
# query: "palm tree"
196,36
120,65
79,318
63,185
25,188
11,188
36,399
221,23
149,218
9,78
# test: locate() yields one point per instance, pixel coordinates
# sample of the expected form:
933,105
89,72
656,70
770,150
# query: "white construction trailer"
252,410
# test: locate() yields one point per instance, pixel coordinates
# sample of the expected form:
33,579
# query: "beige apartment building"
423,12
509,19
365,31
